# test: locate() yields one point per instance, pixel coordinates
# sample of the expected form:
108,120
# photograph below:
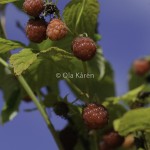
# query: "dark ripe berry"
61,109
84,48
104,146
27,99
113,139
56,30
141,66
36,30
33,7
95,116
68,138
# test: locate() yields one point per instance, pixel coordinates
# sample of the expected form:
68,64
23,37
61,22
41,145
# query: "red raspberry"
36,30
56,30
84,48
104,146
141,66
33,7
95,116
113,139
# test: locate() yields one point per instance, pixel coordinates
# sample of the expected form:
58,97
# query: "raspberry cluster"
37,29
95,116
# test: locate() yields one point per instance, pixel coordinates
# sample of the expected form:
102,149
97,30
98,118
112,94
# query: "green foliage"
8,45
22,60
6,1
10,109
133,120
129,97
135,80
101,77
12,93
40,63
81,16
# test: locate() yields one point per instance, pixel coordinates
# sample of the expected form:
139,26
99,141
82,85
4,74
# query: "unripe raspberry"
84,48
113,139
95,116
36,30
128,142
33,7
141,66
56,30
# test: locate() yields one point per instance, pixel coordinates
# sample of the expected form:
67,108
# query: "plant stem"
38,105
4,63
41,109
86,80
82,94
95,140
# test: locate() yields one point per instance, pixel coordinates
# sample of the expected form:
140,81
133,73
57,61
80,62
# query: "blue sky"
124,26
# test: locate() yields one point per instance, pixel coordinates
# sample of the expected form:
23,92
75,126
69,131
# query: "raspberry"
141,66
56,30
61,109
113,139
95,116
36,30
104,146
84,48
68,137
33,7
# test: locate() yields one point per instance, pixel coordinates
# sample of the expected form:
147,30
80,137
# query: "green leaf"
7,45
98,64
7,1
134,120
99,92
81,16
22,60
147,136
56,54
115,111
11,94
50,100
43,71
10,109
135,80
64,43
2,33
129,97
